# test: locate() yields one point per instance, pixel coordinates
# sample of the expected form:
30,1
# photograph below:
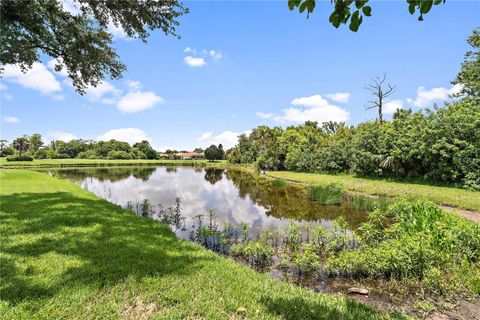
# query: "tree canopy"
79,38
469,75
351,12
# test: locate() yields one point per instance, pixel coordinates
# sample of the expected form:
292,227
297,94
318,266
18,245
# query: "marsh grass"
278,183
330,193
367,203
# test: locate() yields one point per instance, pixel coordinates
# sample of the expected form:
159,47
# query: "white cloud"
199,58
60,135
227,138
194,62
130,135
205,136
215,54
426,97
2,86
392,106
37,78
138,101
52,63
71,6
10,119
102,89
116,32
134,84
342,97
315,101
265,115
312,108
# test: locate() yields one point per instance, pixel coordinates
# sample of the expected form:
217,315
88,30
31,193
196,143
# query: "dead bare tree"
380,90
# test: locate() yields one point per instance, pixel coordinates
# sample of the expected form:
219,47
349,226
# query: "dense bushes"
19,158
438,145
424,242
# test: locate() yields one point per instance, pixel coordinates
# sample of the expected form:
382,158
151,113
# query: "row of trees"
440,144
33,146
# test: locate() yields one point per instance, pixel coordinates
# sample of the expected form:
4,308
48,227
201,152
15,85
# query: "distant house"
189,155
163,155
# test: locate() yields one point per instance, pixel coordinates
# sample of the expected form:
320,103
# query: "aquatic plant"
256,253
278,182
331,193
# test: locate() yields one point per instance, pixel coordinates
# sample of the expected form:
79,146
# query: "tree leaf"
367,10
426,6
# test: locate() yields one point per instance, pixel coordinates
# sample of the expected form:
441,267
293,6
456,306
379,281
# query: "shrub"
279,183
331,193
7,151
119,155
306,261
89,154
19,158
41,154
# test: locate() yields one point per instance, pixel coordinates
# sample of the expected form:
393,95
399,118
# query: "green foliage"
83,149
79,41
306,261
213,153
256,253
19,158
278,183
440,145
469,75
7,151
41,153
331,193
119,154
21,144
351,12
143,150
423,242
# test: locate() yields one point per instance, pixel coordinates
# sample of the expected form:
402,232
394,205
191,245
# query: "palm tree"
21,144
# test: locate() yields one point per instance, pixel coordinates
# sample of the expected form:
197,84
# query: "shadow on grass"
105,248
301,309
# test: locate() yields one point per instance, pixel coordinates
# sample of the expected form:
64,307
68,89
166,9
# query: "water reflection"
236,196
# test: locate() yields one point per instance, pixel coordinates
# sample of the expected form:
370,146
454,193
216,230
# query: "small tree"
35,142
380,90
21,144
211,153
221,152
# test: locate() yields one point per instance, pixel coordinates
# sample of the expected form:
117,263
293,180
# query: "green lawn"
441,195
97,162
66,254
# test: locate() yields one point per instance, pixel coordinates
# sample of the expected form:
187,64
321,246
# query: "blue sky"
242,64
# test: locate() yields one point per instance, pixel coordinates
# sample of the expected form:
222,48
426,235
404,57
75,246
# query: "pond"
235,196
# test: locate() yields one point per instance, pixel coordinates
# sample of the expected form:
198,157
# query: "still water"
235,196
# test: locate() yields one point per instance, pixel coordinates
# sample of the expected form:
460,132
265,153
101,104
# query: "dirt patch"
467,214
464,311
138,311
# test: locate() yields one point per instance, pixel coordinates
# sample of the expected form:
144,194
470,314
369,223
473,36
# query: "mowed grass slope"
450,196
68,254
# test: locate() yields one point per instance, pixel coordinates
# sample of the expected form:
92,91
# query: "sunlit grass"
441,195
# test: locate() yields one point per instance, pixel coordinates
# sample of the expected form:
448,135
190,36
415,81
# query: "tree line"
439,144
29,147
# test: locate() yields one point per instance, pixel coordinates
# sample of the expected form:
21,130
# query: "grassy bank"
68,254
98,162
441,195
